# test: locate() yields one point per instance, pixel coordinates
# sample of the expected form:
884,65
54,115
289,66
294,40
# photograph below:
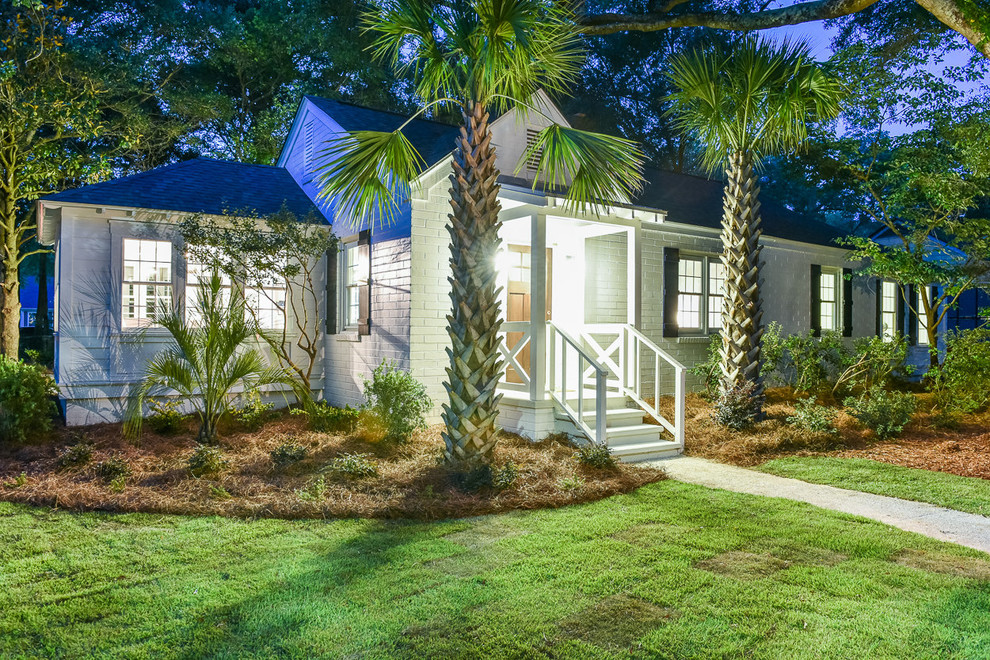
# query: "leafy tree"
206,361
46,101
745,103
282,250
476,56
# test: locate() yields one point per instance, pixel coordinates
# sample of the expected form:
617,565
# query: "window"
922,320
267,305
198,274
828,300
352,277
147,281
888,310
700,282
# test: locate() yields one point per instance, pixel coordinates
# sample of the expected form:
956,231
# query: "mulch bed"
412,481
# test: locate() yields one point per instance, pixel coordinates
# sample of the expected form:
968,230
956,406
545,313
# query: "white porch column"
538,307
634,277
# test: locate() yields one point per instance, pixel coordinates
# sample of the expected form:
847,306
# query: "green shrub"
314,490
26,406
811,416
710,370
74,456
812,363
772,350
206,460
887,413
165,418
354,466
571,484
398,400
19,480
286,454
736,409
596,456
873,362
485,476
505,476
113,469
962,384
325,418
253,414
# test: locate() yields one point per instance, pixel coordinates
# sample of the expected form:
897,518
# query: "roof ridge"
385,112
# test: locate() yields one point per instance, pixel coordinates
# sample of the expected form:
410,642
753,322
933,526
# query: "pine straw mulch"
964,450
411,483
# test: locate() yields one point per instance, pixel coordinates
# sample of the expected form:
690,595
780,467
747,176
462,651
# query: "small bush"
813,363
887,413
112,469
74,456
314,490
736,409
288,453
505,476
325,418
354,466
710,370
962,384
220,493
398,400
19,480
165,418
26,406
873,363
811,416
206,460
253,414
596,456
571,484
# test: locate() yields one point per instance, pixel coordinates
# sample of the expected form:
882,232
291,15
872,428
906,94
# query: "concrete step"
645,451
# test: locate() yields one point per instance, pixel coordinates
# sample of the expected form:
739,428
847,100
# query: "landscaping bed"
409,480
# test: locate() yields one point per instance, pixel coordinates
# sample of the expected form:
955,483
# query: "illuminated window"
690,287
147,281
197,276
267,305
922,319
888,310
828,300
716,282
353,276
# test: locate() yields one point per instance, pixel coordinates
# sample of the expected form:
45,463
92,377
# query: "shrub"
811,363
873,363
505,476
113,469
314,490
26,407
286,454
324,418
398,400
811,416
485,476
165,418
74,456
736,409
571,484
710,370
206,460
253,414
771,350
354,466
887,413
596,456
962,384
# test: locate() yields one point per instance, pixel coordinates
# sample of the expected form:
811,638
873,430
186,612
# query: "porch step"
633,434
613,400
616,417
645,451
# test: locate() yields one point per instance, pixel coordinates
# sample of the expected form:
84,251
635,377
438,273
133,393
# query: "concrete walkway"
966,529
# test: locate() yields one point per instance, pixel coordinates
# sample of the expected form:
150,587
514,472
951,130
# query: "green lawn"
672,570
968,494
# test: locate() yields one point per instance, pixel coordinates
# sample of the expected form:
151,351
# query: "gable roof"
433,140
200,185
694,200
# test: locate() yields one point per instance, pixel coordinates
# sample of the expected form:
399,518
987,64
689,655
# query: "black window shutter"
816,300
912,316
332,272
879,301
847,302
901,310
671,258
364,291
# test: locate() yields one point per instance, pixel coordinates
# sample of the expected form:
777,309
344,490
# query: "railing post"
679,413
600,400
551,357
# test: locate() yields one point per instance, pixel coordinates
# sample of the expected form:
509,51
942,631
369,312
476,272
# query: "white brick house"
593,304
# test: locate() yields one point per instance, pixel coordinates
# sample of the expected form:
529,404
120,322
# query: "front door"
518,296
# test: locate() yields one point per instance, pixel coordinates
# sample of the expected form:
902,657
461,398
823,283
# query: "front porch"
576,361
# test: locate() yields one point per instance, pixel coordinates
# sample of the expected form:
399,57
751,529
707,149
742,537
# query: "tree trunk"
10,332
742,311
41,317
207,431
475,318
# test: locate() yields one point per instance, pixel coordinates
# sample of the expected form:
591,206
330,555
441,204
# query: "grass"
670,570
969,494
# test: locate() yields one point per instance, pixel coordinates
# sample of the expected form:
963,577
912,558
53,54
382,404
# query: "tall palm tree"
746,102
207,359
476,56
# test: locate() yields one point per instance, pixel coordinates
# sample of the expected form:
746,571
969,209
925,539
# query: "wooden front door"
519,292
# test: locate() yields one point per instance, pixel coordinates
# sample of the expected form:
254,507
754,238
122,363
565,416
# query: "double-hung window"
147,281
198,275
700,282
352,278
922,319
266,301
888,310
828,299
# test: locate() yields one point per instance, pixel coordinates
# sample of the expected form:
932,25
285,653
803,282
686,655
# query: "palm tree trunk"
473,324
742,311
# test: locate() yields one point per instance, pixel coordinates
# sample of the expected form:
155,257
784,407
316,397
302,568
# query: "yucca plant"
746,102
207,360
476,56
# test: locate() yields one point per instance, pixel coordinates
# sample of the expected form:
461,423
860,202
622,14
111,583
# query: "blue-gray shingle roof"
200,185
433,140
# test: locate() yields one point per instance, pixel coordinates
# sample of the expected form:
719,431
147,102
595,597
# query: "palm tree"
475,56
746,102
207,359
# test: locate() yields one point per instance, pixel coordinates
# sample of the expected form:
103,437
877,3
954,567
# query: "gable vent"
532,136
308,147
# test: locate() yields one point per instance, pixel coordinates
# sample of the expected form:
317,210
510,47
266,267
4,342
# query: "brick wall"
605,279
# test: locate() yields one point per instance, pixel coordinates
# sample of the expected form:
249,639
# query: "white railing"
624,358
511,355
569,367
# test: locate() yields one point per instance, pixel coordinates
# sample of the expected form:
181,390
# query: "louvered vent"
308,147
532,136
